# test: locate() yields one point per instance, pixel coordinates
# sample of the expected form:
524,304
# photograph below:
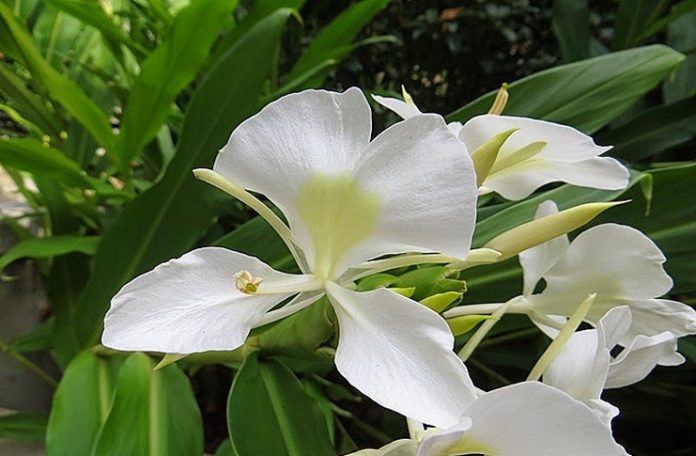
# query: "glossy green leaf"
169,69
154,413
30,155
176,212
81,404
571,25
92,13
586,94
59,87
680,9
332,42
48,247
653,131
23,427
269,413
681,36
633,17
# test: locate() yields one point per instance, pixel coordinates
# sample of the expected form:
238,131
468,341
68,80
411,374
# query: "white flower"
585,367
535,154
346,199
527,418
620,264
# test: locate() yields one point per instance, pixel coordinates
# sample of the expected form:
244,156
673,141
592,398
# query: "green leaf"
27,103
225,449
682,37
571,25
633,17
670,222
332,42
48,247
587,94
37,340
169,69
269,413
92,13
81,404
653,131
30,155
154,413
59,87
23,427
677,11
176,212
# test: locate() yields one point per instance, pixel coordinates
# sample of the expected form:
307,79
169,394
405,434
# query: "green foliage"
23,427
285,420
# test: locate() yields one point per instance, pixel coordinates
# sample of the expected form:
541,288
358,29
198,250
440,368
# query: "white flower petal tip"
539,153
402,108
624,267
399,353
190,305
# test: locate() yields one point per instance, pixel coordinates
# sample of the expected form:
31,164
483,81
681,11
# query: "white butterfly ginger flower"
585,367
347,199
533,153
527,418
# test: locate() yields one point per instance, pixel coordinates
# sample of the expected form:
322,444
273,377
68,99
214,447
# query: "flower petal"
637,360
399,353
653,316
563,143
580,369
531,418
189,305
425,183
402,447
400,107
439,441
614,325
293,138
537,260
615,261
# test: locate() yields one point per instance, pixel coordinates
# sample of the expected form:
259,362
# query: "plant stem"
27,363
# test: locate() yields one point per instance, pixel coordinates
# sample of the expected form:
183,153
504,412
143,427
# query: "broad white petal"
604,410
403,447
580,369
614,325
531,418
653,316
562,142
399,353
637,360
295,138
537,260
614,261
400,107
439,441
189,305
424,182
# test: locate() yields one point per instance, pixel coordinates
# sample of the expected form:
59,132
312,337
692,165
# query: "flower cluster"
354,206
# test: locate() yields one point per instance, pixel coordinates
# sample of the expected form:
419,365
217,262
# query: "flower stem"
27,363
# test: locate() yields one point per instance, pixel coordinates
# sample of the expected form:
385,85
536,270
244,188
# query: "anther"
500,101
247,283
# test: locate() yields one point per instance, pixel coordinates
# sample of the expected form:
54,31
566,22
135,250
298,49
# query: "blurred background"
77,167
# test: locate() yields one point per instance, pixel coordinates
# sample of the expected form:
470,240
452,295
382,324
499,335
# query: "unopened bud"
465,323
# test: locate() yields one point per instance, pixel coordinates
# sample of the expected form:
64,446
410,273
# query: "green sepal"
465,323
376,281
431,280
442,301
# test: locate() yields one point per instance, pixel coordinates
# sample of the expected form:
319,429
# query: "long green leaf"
48,247
23,427
587,94
27,103
333,40
154,413
168,70
92,13
81,404
32,156
653,131
60,88
682,37
269,413
571,25
175,213
632,18
677,11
